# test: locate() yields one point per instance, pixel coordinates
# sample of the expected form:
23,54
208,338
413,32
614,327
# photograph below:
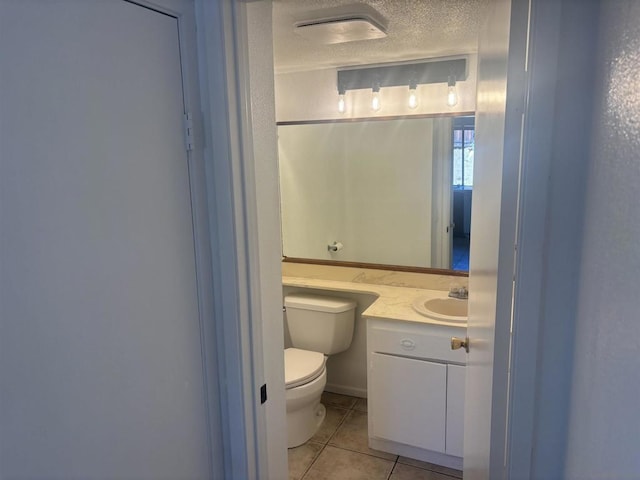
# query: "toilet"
318,326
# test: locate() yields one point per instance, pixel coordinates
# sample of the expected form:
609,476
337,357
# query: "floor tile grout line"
313,461
344,419
363,453
326,444
429,469
351,451
450,476
338,427
394,467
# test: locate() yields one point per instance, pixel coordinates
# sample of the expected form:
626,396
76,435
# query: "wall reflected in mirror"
393,191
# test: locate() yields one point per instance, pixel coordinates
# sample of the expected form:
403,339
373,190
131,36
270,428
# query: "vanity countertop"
392,302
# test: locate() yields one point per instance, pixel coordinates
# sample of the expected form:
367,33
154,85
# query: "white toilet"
318,326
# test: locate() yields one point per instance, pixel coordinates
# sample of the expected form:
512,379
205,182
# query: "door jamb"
237,335
213,365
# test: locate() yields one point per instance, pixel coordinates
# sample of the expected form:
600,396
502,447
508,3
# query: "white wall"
604,427
365,184
313,184
388,175
313,95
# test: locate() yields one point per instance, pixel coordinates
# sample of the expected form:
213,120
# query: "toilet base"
305,413
303,424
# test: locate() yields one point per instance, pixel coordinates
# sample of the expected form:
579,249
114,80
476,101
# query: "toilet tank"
319,323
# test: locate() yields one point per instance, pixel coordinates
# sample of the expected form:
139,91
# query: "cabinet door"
408,401
455,409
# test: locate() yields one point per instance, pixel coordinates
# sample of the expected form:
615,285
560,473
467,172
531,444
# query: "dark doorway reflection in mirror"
460,257
462,182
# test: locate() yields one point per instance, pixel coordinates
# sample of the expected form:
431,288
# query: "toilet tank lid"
319,303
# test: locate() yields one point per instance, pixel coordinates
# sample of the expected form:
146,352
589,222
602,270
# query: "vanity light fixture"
452,94
448,70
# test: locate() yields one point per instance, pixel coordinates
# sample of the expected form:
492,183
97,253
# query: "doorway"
486,291
462,183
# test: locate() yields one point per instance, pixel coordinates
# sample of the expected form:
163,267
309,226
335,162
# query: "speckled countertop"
394,302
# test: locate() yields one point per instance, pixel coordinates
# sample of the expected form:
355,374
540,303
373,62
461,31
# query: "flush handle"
457,343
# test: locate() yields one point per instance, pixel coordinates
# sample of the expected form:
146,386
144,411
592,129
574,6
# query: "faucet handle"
457,291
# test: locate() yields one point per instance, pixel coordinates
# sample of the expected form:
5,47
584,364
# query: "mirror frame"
377,266
374,119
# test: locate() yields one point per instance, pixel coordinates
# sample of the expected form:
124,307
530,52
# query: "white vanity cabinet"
455,410
415,390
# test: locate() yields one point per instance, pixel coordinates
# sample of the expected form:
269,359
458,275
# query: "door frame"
222,55
525,327
556,85
205,245
225,233
236,333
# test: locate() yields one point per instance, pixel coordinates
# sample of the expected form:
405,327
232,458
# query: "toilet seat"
302,366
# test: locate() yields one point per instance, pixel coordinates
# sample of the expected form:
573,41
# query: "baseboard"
346,390
415,453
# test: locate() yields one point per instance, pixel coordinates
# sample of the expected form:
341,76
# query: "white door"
409,411
501,56
100,349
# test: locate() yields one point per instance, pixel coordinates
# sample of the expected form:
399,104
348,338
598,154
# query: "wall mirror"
375,151
387,191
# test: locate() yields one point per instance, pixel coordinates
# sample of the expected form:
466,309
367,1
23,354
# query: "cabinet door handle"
407,344
457,343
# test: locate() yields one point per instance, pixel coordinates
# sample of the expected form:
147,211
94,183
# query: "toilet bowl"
305,379
318,326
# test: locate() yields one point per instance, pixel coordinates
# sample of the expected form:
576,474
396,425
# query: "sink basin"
446,309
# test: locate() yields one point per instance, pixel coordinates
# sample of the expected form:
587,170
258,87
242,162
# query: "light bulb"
375,100
452,95
342,106
413,97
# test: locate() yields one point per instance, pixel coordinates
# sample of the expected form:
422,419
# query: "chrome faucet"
459,292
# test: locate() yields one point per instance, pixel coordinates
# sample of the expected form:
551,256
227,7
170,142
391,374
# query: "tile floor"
339,450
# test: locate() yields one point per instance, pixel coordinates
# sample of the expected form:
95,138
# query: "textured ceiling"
415,29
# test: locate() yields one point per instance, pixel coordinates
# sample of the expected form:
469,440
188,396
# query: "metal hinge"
188,131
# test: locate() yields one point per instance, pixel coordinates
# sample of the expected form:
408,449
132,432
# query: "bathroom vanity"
416,390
